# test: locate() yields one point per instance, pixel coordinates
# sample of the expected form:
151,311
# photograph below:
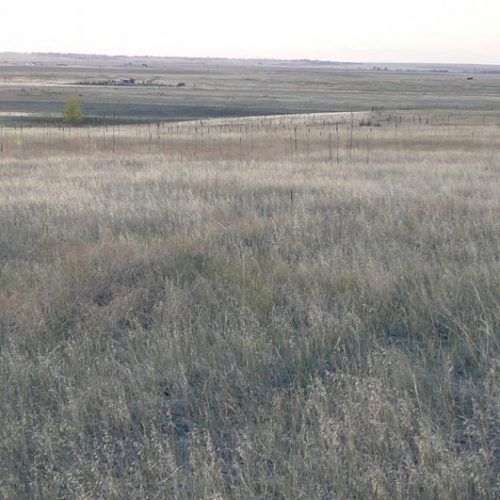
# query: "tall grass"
178,328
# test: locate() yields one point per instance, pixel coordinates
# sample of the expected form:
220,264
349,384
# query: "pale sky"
461,31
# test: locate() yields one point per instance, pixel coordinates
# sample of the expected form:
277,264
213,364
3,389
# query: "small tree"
72,112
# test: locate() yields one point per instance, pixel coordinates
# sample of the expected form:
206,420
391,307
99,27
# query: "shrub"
72,112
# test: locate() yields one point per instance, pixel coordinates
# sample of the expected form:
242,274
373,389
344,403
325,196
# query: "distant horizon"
242,58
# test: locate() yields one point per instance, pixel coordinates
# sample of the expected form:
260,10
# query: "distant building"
118,82
125,81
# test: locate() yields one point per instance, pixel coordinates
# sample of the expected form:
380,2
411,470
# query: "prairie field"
300,306
35,88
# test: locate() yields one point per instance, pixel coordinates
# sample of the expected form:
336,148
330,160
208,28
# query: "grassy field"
252,308
302,306
35,88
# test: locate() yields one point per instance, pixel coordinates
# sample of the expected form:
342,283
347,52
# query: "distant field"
33,89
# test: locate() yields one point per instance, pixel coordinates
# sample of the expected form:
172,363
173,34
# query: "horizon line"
235,58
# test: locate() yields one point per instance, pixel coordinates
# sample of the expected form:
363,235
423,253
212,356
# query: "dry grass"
217,88
233,314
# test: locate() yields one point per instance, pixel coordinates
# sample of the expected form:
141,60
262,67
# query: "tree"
72,112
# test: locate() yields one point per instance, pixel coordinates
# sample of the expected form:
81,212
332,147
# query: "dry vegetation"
252,308
224,88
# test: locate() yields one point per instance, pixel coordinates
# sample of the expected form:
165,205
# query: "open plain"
303,305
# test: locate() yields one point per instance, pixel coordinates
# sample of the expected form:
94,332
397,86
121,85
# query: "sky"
434,31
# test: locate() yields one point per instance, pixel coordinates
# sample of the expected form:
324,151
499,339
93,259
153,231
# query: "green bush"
72,112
